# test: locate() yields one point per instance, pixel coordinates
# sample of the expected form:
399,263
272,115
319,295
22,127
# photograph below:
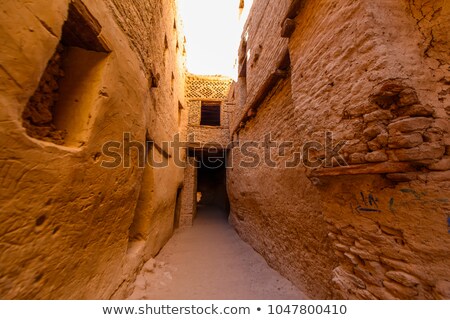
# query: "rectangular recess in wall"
210,114
61,109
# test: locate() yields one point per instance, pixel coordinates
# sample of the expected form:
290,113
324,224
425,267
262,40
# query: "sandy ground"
211,262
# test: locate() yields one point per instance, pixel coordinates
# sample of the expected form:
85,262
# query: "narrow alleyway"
210,261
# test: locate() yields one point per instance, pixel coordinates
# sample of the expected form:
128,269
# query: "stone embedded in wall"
355,146
441,165
416,111
373,131
401,141
360,110
426,151
376,156
380,142
357,158
403,278
397,128
407,97
372,272
387,93
435,176
344,281
410,125
378,115
400,291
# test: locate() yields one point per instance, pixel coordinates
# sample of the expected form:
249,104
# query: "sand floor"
210,262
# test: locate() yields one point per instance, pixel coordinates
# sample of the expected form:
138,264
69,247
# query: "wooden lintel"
281,72
378,168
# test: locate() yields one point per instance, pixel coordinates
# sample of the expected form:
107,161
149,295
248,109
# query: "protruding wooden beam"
288,28
281,72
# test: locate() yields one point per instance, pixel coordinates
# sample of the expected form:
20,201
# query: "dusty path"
210,261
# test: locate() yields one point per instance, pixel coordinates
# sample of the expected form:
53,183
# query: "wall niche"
60,111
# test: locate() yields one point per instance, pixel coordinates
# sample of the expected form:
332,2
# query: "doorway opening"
211,181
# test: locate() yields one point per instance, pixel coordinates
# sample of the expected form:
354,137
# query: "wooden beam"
281,72
378,168
288,28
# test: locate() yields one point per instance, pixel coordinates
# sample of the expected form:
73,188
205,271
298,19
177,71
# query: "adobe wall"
376,76
388,73
209,89
87,229
277,210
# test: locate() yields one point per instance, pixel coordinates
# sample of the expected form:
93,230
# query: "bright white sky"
213,33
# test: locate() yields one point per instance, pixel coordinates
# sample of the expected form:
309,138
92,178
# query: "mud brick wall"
73,238
375,75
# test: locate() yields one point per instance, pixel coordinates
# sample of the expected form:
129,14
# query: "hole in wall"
41,220
38,277
154,79
166,43
180,113
172,82
59,110
96,156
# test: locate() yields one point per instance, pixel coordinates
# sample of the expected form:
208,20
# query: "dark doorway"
211,182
